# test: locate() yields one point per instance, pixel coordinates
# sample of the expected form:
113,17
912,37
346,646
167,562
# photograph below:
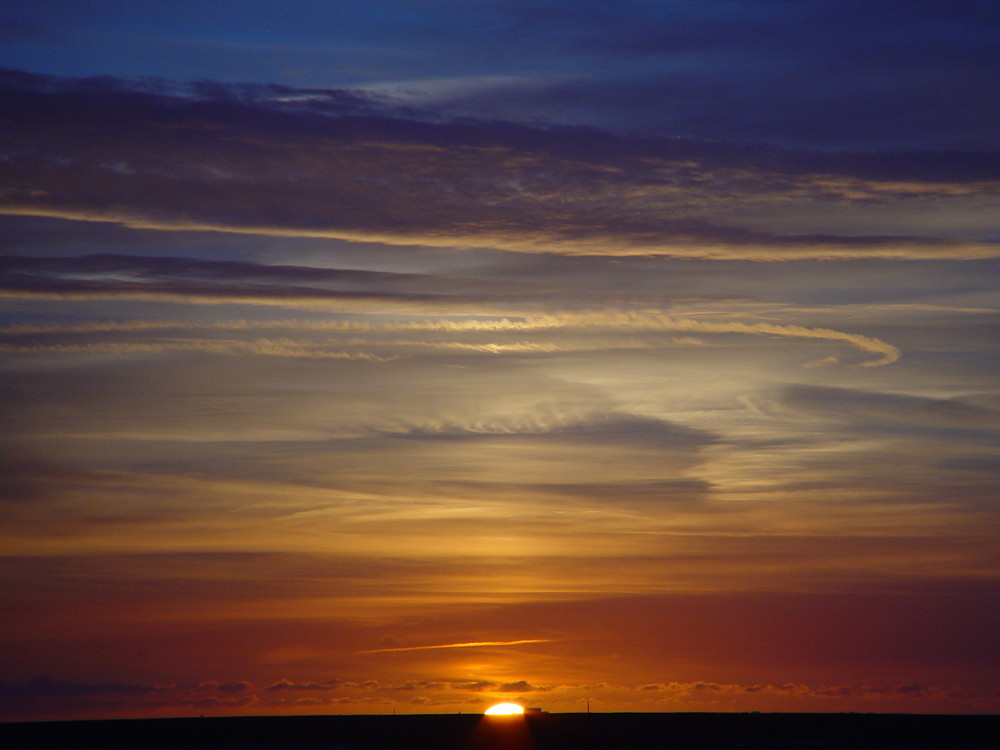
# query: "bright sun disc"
504,709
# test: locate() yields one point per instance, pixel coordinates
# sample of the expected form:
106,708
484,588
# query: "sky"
413,356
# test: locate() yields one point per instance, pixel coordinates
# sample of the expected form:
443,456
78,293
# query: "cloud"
600,429
474,685
179,280
423,700
738,88
155,582
208,161
227,687
891,412
802,691
204,703
282,685
550,324
468,644
888,353
417,685
189,278
655,491
47,687
263,347
674,67
823,362
521,686
46,697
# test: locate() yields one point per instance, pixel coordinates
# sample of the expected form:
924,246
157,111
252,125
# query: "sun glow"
504,709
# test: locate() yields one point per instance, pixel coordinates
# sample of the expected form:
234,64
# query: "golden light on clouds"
471,644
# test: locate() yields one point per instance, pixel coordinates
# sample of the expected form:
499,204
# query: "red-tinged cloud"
289,685
422,700
204,703
522,686
226,687
411,685
467,644
475,685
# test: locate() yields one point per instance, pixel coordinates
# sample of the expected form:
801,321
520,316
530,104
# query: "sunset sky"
412,355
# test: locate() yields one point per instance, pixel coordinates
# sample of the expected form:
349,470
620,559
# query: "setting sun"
504,709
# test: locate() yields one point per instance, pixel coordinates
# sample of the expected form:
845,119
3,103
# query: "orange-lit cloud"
470,644
611,320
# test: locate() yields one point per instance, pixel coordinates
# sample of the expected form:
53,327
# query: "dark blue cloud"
47,687
105,275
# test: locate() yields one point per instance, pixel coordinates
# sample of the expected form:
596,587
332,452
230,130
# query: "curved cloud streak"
468,644
609,320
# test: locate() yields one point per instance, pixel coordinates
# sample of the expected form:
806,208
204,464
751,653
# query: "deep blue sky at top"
822,73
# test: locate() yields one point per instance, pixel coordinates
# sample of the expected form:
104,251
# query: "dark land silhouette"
612,731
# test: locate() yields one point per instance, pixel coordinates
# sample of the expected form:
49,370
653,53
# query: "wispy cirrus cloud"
47,696
478,326
467,644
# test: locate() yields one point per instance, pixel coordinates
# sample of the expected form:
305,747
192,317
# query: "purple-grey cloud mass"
234,159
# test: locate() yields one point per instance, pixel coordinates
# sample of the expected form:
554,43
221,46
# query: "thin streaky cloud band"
681,247
469,644
887,353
